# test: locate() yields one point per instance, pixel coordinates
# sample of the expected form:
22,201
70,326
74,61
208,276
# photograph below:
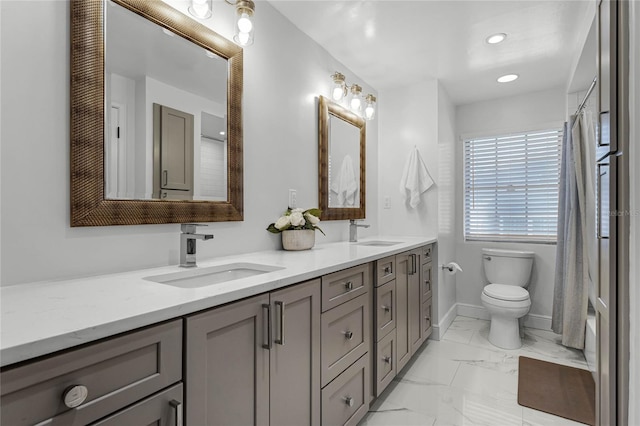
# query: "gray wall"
284,73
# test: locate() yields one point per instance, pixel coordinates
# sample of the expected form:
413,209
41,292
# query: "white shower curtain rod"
586,97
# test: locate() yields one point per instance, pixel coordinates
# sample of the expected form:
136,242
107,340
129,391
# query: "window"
511,186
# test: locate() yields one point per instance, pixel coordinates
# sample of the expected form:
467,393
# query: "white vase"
298,239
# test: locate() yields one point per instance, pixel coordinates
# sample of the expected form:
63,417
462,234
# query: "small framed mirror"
156,117
342,162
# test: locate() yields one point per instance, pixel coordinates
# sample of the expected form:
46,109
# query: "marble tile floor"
465,380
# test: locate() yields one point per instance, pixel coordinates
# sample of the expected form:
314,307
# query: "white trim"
508,130
473,311
539,322
445,322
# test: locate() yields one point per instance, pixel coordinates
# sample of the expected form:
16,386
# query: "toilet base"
505,332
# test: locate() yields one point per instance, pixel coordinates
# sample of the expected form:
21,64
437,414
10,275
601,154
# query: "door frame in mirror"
327,108
88,204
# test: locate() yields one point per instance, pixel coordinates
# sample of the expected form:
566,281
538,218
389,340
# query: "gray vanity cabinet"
257,361
81,386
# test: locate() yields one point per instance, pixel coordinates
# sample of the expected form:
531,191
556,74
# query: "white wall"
634,247
408,117
284,73
445,289
523,112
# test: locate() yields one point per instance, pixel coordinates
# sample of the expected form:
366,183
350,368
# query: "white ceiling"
392,43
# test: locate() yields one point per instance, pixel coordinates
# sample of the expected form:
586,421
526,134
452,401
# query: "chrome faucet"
188,239
353,230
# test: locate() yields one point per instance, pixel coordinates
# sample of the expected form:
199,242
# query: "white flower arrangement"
296,219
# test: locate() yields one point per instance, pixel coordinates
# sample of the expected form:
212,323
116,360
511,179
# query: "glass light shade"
244,23
370,107
338,89
201,8
356,98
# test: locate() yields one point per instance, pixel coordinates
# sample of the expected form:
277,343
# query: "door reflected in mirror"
342,154
166,104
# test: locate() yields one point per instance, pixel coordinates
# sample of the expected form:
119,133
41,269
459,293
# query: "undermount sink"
379,243
202,277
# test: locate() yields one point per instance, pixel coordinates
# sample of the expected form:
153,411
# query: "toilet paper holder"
452,267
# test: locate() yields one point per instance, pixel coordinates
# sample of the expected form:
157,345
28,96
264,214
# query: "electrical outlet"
387,202
293,198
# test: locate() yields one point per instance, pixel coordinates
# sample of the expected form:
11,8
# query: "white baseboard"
444,323
539,322
473,311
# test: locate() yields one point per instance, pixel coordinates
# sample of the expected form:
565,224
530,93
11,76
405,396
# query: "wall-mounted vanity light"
340,89
244,27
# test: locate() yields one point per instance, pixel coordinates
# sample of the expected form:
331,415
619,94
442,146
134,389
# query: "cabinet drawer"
345,336
426,253
386,362
385,308
345,401
426,319
115,373
162,409
342,286
427,272
385,270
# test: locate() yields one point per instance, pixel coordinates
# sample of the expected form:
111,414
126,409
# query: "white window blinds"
511,186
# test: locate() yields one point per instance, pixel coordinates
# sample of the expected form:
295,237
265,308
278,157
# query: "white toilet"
505,297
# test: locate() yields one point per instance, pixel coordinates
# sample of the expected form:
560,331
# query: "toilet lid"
506,292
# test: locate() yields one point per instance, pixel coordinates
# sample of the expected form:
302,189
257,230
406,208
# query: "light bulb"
337,93
244,23
356,103
243,38
200,9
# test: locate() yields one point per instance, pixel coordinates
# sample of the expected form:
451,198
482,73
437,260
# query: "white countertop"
41,318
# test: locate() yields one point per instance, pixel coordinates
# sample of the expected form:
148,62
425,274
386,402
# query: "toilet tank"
509,267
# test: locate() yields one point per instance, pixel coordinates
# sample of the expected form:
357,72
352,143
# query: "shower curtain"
576,250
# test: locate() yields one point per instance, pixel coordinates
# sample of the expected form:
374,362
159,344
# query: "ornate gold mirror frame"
88,204
326,110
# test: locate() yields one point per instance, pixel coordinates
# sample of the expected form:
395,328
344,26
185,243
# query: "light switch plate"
293,198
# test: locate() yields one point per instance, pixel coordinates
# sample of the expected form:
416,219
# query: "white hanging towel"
345,184
415,178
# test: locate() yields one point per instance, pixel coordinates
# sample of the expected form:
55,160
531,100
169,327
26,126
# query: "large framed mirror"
342,161
156,117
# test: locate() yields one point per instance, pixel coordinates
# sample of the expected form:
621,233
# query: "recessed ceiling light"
496,38
507,78
223,133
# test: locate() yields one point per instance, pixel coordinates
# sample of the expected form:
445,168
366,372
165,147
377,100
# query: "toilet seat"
503,292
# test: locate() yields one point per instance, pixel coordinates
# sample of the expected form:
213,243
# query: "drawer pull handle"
427,318
387,270
75,395
387,359
386,308
177,405
348,285
348,334
349,401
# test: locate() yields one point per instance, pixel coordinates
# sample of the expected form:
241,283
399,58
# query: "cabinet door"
227,364
414,301
403,268
295,356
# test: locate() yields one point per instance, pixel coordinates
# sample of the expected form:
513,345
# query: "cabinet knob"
387,270
386,308
387,359
75,395
348,285
349,401
427,318
348,335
